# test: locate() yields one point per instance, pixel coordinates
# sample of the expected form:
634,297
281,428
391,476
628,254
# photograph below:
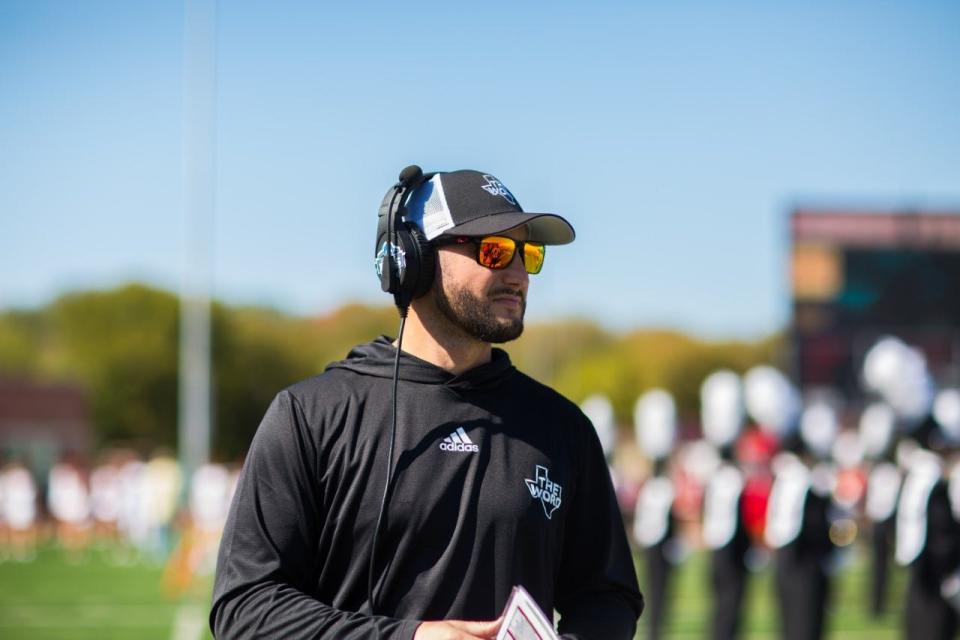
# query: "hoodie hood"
376,358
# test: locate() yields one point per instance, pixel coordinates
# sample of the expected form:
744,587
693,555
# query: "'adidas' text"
459,441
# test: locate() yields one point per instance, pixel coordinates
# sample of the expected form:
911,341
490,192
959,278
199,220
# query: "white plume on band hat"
881,366
721,407
599,411
877,425
899,374
946,412
771,400
655,423
818,427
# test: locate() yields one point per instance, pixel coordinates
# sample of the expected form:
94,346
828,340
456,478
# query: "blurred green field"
56,599
847,616
53,598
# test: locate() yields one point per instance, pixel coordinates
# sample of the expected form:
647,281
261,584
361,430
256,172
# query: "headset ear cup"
406,268
426,262
410,261
418,259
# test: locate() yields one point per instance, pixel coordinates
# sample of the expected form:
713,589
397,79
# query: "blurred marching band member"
928,528
927,531
598,409
798,523
754,450
724,529
849,489
771,405
898,375
851,481
849,485
654,526
797,526
19,509
877,431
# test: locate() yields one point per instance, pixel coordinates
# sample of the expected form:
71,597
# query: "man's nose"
516,274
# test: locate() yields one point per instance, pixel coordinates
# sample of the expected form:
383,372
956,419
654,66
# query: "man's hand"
458,630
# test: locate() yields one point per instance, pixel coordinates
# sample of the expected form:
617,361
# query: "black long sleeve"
268,554
497,481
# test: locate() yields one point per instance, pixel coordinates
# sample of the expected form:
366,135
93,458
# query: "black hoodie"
498,480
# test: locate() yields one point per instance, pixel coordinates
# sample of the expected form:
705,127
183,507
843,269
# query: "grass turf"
53,598
688,611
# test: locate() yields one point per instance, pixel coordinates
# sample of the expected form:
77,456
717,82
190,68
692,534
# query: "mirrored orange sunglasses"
497,252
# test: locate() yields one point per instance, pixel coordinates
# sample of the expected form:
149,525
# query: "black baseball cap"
473,203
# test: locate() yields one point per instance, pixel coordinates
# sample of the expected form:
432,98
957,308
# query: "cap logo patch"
495,188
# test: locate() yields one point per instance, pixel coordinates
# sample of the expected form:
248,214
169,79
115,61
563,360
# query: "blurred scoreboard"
857,275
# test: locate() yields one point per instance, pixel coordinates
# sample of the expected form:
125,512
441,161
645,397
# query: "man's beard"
474,316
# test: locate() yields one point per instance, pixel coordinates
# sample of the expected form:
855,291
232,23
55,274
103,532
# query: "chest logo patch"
459,441
548,492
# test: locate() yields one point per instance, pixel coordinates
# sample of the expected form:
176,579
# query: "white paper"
524,620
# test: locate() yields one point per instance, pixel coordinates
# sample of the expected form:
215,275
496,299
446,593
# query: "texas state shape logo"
544,489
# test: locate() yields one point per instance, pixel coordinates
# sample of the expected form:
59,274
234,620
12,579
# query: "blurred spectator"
68,501
132,515
20,510
162,482
105,497
210,492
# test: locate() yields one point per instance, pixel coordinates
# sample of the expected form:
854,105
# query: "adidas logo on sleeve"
459,441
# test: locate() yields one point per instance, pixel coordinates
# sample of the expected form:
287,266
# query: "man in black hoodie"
497,480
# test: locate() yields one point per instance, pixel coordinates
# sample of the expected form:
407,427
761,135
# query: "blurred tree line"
121,346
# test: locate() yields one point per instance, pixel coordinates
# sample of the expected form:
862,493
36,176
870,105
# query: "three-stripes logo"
459,441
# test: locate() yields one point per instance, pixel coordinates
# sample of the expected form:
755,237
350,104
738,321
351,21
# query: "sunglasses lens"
533,254
496,253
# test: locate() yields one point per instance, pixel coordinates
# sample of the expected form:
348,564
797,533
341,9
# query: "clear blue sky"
675,136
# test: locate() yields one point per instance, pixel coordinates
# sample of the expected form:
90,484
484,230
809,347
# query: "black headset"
406,262
404,258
